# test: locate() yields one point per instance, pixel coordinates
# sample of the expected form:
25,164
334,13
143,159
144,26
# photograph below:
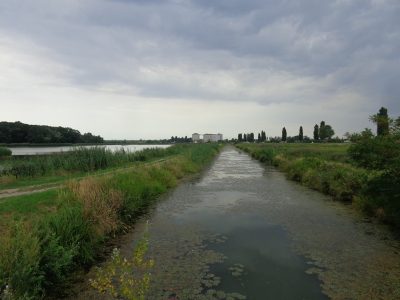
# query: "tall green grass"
323,167
364,174
36,259
80,159
328,151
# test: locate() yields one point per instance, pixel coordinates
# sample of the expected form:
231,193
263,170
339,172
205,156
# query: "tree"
329,132
245,137
395,129
17,132
325,131
322,130
301,133
250,137
284,134
263,136
259,137
240,138
382,121
316,132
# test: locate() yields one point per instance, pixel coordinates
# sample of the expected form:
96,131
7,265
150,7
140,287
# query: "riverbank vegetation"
80,159
65,229
20,170
365,172
5,152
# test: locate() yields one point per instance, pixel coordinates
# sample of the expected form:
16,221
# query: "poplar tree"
301,133
263,136
382,122
284,134
322,130
316,132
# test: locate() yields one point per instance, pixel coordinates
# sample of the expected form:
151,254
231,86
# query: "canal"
241,230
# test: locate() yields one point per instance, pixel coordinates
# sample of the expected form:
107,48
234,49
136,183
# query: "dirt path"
26,191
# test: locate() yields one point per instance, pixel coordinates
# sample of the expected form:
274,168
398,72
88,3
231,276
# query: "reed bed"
80,159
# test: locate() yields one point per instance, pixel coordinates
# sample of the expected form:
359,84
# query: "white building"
212,137
196,138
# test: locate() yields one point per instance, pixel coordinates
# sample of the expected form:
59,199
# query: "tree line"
176,139
322,132
17,132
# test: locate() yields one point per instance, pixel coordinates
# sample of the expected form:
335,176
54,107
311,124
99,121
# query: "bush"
56,259
379,153
5,152
382,195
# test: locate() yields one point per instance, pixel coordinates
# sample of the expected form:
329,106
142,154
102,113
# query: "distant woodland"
17,132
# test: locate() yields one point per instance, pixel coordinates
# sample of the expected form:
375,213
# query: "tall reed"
80,159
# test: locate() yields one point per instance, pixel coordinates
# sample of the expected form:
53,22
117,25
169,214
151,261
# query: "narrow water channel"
242,231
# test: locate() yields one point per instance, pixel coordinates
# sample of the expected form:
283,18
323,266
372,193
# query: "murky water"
56,149
242,231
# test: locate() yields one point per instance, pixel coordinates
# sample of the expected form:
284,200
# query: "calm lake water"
243,231
49,150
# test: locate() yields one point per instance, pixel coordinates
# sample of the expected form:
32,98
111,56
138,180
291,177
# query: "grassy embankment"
21,171
330,169
45,236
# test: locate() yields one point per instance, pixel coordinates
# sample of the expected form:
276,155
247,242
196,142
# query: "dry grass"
7,179
100,204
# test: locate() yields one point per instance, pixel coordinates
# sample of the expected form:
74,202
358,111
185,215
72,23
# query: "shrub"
5,152
383,196
380,152
56,259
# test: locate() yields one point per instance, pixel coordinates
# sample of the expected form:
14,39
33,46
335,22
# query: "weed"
126,278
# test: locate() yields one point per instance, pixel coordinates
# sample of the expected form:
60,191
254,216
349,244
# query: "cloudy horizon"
130,69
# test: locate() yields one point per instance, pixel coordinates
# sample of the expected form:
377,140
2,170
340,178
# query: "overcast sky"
152,69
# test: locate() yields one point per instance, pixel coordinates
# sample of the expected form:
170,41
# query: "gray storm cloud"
306,60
